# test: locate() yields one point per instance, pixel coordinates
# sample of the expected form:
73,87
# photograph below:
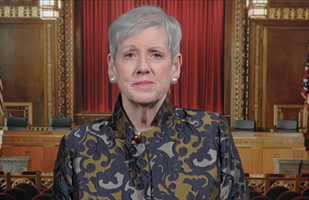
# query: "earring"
112,79
174,80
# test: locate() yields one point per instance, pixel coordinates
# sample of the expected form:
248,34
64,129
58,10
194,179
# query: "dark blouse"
189,155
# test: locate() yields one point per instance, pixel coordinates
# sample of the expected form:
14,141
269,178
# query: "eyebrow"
134,47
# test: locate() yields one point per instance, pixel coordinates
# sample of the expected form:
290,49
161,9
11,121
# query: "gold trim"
49,72
19,12
256,73
302,114
237,64
61,63
288,13
69,30
240,71
25,107
66,61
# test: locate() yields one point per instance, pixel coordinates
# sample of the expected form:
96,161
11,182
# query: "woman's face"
143,66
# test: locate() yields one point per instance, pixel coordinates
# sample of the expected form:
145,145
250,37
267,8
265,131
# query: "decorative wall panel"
266,51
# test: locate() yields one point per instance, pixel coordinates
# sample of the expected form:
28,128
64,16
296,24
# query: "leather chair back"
60,123
245,125
15,123
287,126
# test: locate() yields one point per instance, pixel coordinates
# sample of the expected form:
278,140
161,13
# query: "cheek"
123,74
166,74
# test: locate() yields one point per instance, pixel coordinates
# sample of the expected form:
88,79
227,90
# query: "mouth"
143,83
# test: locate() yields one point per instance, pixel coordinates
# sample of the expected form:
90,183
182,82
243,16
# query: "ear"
111,65
176,65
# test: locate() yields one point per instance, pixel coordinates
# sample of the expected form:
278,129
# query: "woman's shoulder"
201,114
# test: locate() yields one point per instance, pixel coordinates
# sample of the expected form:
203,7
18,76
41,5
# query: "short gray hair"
137,19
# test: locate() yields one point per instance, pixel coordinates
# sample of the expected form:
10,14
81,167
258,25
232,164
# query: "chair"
43,196
260,198
15,123
30,189
287,126
4,196
18,193
251,188
276,176
305,192
245,125
48,190
275,192
301,198
31,173
304,174
254,193
60,123
288,195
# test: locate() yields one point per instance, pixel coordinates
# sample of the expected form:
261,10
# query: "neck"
142,117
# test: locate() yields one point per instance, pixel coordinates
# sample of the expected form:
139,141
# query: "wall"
266,62
24,63
37,59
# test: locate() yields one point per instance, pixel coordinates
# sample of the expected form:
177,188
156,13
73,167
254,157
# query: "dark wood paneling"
22,64
287,49
40,146
283,50
78,59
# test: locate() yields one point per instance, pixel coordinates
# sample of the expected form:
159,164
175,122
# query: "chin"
147,99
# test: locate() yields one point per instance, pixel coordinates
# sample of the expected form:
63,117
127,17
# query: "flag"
1,95
305,89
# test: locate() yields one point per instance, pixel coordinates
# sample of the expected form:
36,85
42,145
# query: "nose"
143,65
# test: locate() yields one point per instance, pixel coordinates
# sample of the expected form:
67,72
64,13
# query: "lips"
143,83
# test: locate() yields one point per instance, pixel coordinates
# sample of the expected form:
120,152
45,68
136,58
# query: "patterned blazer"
189,155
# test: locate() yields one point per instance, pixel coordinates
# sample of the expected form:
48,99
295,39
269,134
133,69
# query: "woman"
149,149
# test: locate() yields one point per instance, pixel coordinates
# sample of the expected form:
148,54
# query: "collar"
122,127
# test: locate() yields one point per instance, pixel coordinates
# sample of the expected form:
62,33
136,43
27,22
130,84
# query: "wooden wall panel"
245,155
257,149
28,65
22,64
49,161
286,53
40,146
270,153
278,53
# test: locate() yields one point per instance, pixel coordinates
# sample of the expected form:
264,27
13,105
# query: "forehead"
148,36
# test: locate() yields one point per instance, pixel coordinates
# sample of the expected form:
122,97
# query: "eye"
157,55
129,55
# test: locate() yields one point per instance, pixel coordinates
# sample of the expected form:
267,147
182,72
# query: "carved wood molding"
69,58
298,111
19,12
257,74
31,140
269,139
49,71
65,61
25,108
288,13
240,65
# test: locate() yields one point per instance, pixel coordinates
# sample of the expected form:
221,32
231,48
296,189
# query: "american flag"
305,89
1,95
